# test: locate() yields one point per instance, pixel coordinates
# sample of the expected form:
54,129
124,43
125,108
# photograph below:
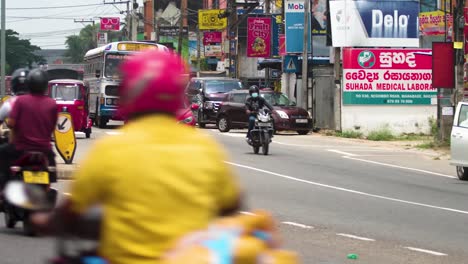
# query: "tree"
19,52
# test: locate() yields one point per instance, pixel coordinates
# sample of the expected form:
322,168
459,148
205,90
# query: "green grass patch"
350,134
383,134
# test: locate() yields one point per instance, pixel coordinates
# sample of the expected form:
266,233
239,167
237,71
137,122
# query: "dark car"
286,115
209,93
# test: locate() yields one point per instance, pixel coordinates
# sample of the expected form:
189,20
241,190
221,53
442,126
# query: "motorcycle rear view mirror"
27,196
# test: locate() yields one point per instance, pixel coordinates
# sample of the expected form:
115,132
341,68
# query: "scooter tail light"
15,169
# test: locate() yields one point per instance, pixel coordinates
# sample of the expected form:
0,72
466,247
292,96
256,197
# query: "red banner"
110,23
210,38
443,65
259,37
282,45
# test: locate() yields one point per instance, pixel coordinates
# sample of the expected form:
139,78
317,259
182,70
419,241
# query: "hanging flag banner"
384,23
388,76
259,37
282,45
110,23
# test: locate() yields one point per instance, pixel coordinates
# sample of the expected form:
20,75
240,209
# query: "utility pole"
3,52
305,55
129,16
82,21
267,70
183,11
198,51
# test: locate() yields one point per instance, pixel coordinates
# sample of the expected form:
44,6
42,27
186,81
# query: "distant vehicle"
459,141
72,95
102,77
208,93
286,115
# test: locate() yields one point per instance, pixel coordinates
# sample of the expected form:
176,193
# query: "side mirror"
98,73
293,103
194,107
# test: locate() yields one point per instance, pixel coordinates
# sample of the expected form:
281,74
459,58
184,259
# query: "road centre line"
349,190
355,237
341,152
426,251
298,225
399,167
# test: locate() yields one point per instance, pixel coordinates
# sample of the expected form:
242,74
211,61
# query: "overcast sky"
47,26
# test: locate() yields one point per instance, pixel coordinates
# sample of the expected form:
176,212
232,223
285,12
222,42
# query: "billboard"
212,37
435,23
388,77
259,37
209,19
294,16
443,63
387,23
110,23
319,17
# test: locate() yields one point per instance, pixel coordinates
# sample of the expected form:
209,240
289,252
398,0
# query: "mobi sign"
389,23
295,6
294,26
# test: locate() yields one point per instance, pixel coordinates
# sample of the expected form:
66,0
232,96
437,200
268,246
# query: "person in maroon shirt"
32,121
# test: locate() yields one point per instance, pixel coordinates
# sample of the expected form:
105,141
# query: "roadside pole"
305,55
3,52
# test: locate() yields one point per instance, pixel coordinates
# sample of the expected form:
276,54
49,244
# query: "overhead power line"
51,7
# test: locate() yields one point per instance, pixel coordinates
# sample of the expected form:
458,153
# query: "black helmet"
254,89
37,81
18,81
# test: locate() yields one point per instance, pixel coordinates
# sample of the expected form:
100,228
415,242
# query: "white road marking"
342,152
298,225
113,133
426,251
234,135
400,167
355,237
246,213
67,194
350,190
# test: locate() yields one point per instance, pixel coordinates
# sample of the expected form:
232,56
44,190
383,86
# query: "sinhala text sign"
388,76
384,23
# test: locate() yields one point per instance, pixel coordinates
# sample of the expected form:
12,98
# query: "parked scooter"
262,133
31,168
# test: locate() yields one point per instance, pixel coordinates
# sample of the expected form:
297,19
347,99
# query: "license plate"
302,121
264,124
36,177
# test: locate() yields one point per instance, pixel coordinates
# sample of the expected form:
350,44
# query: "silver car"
459,142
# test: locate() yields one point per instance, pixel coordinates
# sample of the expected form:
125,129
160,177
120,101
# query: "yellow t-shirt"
156,181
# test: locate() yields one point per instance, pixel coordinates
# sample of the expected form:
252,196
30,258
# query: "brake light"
15,169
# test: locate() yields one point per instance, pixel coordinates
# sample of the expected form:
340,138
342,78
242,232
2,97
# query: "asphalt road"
332,197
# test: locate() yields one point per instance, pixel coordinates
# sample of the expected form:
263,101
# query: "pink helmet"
152,81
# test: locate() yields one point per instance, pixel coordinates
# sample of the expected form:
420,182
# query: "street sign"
290,64
209,19
64,134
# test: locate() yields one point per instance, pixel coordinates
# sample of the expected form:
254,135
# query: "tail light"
15,169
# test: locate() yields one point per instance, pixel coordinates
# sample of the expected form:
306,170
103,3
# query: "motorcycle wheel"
266,143
28,229
256,149
9,216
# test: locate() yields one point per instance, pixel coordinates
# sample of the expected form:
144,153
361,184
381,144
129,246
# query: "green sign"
390,98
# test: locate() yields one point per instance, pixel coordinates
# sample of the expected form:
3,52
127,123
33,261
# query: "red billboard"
259,37
110,23
212,37
443,65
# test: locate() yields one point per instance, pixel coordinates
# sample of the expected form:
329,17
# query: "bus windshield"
112,65
65,92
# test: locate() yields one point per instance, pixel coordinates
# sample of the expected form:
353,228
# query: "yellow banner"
208,19
433,23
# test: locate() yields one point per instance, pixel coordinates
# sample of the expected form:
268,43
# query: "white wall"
399,118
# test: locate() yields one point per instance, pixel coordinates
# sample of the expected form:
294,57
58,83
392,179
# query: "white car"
459,142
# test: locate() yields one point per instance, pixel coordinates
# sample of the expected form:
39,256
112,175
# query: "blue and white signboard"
370,23
291,64
294,16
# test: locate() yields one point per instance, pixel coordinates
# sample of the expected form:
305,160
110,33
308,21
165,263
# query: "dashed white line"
426,251
342,152
298,225
355,237
349,190
246,213
113,133
399,167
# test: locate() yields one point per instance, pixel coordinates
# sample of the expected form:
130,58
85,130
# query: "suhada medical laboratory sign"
388,76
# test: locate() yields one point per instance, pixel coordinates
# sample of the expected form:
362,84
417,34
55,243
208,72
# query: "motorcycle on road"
262,133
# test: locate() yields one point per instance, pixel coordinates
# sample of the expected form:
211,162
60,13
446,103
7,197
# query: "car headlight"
108,101
115,101
282,114
208,105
